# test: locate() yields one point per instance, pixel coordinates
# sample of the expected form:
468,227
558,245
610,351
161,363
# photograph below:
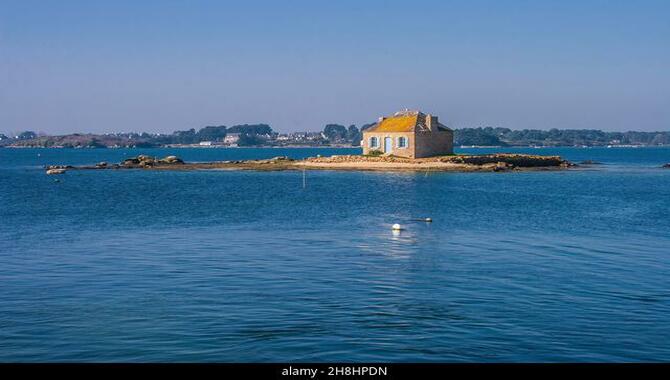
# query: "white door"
388,145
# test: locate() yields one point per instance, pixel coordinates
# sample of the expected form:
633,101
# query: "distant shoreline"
327,147
332,136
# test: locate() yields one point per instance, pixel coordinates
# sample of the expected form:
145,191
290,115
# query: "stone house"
411,134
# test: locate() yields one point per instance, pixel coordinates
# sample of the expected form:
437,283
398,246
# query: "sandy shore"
386,166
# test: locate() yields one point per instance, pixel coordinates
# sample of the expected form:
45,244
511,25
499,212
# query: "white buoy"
396,227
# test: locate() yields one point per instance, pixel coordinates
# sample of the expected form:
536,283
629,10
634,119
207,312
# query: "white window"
374,142
402,142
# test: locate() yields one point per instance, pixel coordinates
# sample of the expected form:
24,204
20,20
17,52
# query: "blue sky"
103,66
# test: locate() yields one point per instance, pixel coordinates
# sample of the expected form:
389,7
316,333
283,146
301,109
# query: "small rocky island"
501,162
405,141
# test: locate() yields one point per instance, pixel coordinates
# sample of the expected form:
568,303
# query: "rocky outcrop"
509,160
501,166
171,160
144,161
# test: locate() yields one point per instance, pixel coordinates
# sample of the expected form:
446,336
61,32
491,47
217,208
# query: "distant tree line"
337,133
556,137
490,136
250,134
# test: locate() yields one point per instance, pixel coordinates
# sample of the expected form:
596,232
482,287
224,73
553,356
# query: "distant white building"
205,143
231,138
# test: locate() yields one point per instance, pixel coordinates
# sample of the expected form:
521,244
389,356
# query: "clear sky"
158,66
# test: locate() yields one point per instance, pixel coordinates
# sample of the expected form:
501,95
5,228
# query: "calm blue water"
248,266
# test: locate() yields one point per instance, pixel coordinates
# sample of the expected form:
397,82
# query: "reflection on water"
400,243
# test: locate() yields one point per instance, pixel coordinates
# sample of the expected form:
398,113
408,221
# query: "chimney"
431,123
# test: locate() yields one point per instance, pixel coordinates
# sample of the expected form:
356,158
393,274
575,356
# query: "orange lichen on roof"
404,123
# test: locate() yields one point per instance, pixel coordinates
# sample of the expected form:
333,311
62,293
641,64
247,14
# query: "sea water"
133,265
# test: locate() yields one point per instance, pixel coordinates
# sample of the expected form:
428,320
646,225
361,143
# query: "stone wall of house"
400,152
419,144
433,143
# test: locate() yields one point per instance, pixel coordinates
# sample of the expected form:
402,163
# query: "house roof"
403,121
